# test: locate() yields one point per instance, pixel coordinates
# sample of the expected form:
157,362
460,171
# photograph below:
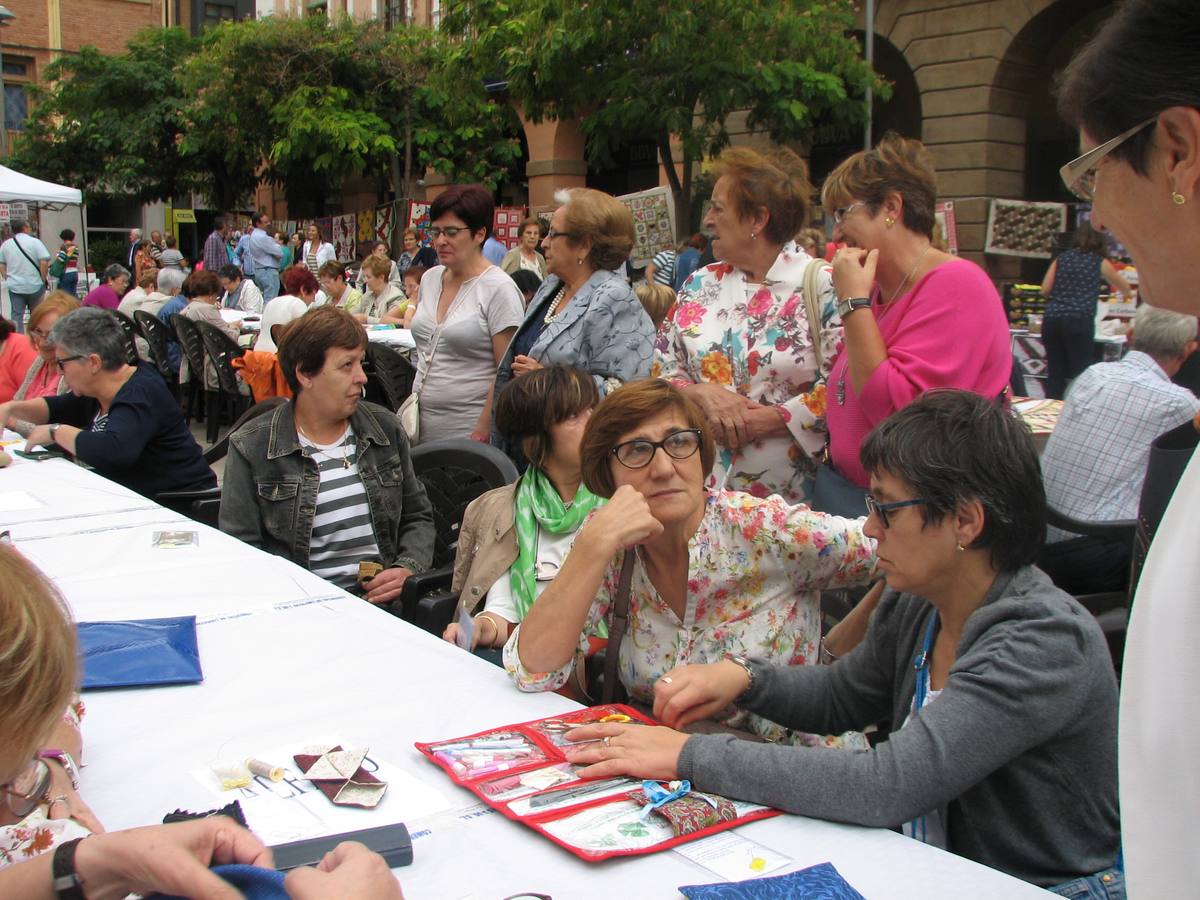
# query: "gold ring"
666,679
606,742
61,798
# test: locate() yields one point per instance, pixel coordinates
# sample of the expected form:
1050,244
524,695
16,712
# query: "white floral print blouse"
756,569
755,339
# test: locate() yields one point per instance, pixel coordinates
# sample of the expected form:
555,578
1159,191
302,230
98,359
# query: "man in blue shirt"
494,251
265,254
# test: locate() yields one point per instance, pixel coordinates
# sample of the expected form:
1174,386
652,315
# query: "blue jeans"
1106,885
69,282
267,281
22,303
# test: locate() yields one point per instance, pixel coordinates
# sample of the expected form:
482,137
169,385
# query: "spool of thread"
266,770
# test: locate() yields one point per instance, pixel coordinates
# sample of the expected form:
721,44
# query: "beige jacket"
487,546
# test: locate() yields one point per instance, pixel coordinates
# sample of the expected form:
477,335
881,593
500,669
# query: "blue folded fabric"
139,652
253,882
820,882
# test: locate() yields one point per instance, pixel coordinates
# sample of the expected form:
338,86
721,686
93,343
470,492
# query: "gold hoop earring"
579,260
1177,198
753,236
961,548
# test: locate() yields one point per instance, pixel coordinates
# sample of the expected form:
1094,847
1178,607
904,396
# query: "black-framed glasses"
1079,175
450,231
61,362
638,453
552,234
882,509
841,212
27,790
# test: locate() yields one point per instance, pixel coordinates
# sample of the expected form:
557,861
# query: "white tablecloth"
289,658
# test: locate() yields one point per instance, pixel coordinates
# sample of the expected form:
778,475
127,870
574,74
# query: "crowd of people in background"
776,412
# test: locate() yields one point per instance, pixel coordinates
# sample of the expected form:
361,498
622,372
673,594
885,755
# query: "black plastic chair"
454,472
158,335
391,376
221,350
205,505
131,333
193,351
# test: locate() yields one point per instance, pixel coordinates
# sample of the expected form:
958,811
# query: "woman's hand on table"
386,586
348,872
38,437
65,802
625,520
636,751
168,859
692,693
522,364
854,272
727,413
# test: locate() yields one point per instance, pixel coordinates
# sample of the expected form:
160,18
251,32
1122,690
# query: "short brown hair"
380,268
531,222
605,221
202,284
332,269
470,202
657,299
623,410
56,301
777,182
38,668
309,338
897,165
149,278
531,403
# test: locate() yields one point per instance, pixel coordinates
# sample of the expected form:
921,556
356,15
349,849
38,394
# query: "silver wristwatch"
740,660
850,304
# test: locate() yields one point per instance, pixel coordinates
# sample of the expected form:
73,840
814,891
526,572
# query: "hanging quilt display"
365,226
1024,228
385,223
506,224
653,223
943,217
343,236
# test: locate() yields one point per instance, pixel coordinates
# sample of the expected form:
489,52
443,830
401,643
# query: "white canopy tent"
43,194
38,195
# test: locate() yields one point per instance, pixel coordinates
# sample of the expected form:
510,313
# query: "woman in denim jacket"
326,480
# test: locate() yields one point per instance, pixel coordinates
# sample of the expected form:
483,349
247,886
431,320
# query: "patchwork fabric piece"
385,223
418,218
338,774
343,236
691,813
365,230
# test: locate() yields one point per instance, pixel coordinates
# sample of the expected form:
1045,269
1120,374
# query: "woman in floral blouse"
717,572
739,342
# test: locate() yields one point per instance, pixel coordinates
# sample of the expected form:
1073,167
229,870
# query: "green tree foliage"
109,124
672,69
300,102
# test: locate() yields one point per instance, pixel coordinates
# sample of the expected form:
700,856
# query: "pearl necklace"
552,312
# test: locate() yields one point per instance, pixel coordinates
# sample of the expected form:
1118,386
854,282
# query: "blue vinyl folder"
139,652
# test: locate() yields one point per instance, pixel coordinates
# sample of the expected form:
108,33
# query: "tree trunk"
678,192
408,160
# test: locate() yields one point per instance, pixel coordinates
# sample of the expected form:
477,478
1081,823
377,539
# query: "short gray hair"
170,278
116,270
89,330
1162,333
18,224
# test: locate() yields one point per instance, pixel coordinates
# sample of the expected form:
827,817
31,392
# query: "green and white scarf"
537,503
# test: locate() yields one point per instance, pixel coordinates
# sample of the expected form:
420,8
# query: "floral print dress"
755,339
755,572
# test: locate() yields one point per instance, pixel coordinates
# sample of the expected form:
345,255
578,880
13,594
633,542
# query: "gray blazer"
1019,751
604,330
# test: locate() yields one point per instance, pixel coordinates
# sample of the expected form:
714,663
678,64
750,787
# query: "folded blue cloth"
253,882
820,882
139,652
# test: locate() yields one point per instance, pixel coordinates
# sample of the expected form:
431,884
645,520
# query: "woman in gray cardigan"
998,686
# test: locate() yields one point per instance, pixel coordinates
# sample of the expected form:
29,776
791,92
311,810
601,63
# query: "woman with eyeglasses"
741,341
1134,94
514,539
467,312
999,686
584,315
51,844
119,419
715,572
42,378
915,317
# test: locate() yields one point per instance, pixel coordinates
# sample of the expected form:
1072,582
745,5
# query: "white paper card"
732,857
466,628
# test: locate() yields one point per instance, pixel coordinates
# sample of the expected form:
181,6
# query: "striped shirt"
342,534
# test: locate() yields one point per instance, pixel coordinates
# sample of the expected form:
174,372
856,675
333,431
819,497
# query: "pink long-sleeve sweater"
949,331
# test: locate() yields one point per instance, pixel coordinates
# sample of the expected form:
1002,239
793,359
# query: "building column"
556,159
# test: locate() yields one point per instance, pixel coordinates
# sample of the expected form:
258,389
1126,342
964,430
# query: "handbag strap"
619,621
16,240
813,306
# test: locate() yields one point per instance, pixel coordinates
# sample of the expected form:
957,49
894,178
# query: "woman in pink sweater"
915,318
